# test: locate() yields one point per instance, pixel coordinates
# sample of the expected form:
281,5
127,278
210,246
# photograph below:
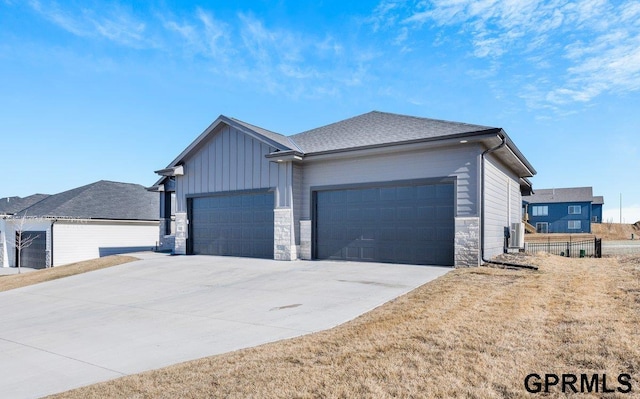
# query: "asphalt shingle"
554,195
12,205
100,200
378,128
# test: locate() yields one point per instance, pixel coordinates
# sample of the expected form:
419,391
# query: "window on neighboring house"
542,227
575,209
575,224
539,210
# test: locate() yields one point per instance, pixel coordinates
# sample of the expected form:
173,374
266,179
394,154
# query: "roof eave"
172,171
285,156
460,138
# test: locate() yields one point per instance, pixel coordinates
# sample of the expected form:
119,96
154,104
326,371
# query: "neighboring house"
563,210
13,205
8,207
377,187
87,222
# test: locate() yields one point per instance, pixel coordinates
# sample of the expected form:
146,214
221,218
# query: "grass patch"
473,333
9,282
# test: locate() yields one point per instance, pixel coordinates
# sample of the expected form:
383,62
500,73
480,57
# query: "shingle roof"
277,137
12,205
100,200
378,128
373,129
554,195
598,200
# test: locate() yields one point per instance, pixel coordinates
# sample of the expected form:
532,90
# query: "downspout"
51,238
503,142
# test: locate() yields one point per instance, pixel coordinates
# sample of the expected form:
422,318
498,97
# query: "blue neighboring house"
563,210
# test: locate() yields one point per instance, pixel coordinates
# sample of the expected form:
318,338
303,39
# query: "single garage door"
234,225
391,223
35,255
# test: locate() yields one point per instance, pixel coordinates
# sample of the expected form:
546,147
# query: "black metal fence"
570,249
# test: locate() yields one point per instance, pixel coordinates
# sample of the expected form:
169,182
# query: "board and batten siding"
503,203
75,241
396,164
230,160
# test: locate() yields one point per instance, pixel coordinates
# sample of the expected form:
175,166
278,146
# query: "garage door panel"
235,225
35,255
403,224
387,214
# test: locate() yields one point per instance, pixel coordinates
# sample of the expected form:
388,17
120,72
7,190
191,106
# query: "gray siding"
297,200
415,164
502,205
231,160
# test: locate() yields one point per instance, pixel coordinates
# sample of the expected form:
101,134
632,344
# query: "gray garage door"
235,225
35,255
400,224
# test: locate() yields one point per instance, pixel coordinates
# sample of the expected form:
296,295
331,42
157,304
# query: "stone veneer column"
467,242
305,239
284,247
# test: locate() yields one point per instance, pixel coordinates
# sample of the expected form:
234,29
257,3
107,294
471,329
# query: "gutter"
503,142
448,139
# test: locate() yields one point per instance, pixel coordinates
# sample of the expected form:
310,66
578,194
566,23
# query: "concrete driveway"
163,309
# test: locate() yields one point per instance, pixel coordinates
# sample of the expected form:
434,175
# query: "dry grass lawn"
473,333
10,282
616,231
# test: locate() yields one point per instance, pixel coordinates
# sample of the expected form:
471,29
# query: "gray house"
99,219
377,187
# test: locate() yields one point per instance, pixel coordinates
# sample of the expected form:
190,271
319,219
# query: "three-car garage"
408,222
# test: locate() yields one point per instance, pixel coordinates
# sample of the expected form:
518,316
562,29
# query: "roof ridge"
424,118
259,127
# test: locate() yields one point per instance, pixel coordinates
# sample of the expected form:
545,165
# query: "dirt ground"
473,333
616,231
606,231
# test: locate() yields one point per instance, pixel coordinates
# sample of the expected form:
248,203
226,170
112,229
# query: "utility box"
516,239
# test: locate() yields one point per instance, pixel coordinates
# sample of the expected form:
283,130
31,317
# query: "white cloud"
587,47
114,23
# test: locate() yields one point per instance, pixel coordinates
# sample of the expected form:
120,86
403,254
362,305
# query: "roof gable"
273,139
99,200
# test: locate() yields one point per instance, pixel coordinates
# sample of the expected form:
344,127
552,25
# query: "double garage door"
234,225
400,223
411,223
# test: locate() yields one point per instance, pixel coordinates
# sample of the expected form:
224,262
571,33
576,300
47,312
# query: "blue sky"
94,90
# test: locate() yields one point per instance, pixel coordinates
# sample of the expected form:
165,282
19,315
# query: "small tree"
23,240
